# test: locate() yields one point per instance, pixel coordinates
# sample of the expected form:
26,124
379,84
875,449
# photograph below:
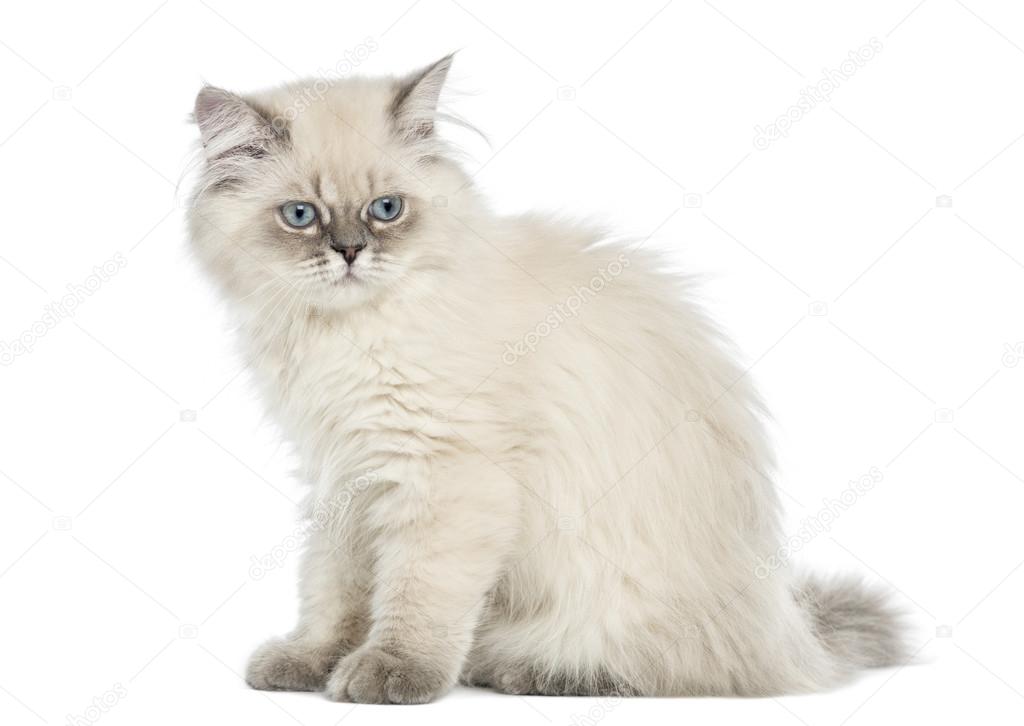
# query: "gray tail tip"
859,623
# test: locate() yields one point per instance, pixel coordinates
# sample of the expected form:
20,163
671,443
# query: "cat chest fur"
351,402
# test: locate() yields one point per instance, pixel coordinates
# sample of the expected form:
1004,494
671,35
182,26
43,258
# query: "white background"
883,327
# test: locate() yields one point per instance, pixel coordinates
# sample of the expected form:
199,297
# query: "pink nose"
349,252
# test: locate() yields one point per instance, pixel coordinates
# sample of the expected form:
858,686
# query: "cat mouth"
348,277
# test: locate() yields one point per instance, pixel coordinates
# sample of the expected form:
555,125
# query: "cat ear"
228,124
415,105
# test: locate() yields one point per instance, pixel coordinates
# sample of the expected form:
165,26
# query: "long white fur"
584,515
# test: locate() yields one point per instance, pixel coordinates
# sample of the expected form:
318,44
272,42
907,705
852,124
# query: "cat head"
325,192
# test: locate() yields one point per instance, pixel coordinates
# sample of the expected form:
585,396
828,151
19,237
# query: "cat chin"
346,293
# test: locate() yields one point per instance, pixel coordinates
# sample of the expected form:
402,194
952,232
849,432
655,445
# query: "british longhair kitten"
533,464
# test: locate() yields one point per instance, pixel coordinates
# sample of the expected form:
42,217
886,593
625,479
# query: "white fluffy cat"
534,463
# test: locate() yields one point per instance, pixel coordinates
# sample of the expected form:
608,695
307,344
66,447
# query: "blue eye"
386,208
298,214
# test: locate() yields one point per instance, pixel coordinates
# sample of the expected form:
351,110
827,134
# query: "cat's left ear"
414,107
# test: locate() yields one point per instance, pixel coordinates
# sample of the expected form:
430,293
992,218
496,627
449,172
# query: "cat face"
323,193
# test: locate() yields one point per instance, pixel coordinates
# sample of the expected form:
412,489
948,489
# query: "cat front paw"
373,674
290,665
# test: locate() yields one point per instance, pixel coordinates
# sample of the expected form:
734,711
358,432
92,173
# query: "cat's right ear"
230,125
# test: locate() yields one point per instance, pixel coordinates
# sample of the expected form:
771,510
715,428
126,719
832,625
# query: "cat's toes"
517,681
524,680
375,675
477,677
502,677
284,665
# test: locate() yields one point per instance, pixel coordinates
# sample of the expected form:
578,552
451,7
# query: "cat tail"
857,623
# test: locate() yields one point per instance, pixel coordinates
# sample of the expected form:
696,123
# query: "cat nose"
349,252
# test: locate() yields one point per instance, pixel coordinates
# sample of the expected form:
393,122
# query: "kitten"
534,465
